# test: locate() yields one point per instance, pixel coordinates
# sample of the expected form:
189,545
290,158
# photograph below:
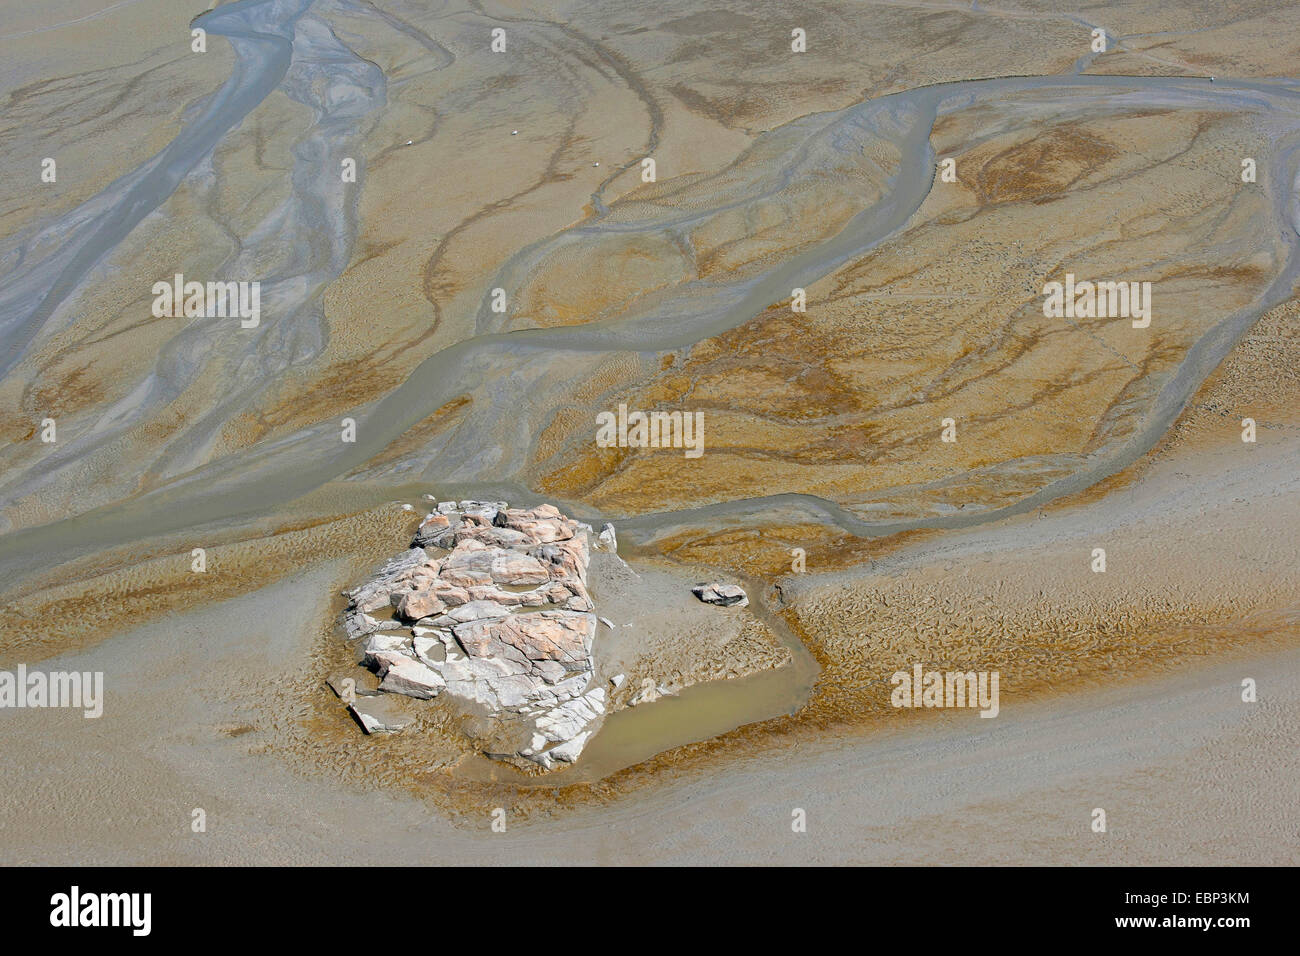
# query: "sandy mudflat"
227,724
1186,772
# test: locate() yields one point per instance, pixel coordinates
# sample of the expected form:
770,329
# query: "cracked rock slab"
501,620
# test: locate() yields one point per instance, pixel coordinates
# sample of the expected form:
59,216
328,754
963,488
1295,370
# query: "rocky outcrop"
501,620
375,594
723,595
381,714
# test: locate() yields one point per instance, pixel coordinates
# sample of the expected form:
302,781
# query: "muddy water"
696,713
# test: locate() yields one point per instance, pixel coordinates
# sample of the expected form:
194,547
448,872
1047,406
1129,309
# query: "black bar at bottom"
423,907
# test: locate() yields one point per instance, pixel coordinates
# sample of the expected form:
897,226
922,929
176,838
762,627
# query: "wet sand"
235,726
1178,764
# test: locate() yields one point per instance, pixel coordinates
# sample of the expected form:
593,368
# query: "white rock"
518,570
569,719
373,595
476,611
607,540
568,751
384,642
358,623
413,679
381,714
723,595
543,759
532,671
646,695
429,650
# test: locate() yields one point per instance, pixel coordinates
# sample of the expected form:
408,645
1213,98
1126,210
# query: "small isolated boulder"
723,595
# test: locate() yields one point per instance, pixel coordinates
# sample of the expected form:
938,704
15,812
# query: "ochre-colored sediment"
846,401
75,607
